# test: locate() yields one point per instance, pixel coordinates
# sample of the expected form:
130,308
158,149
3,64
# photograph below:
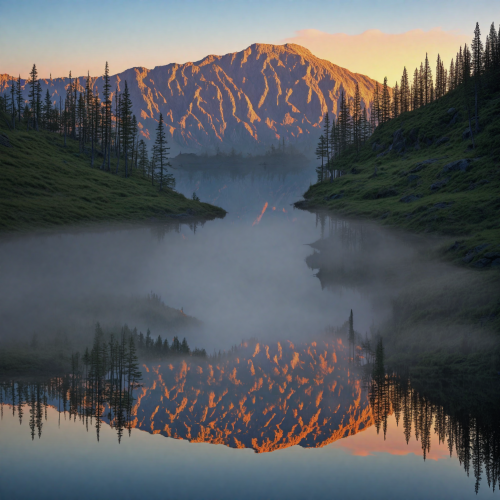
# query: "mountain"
246,100
263,397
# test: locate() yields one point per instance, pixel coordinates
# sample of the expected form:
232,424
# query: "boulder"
482,263
451,111
422,164
398,142
466,134
443,140
413,178
410,197
4,140
469,257
386,193
442,205
456,166
454,120
439,184
492,255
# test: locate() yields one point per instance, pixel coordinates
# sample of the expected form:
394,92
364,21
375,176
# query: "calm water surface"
284,416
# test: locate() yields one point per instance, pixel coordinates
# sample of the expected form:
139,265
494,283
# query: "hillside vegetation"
43,183
420,172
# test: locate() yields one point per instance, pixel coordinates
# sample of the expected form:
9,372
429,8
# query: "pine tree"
386,102
106,92
451,76
356,117
395,101
143,157
405,93
19,96
477,52
47,107
126,125
320,154
326,136
466,63
376,105
351,336
13,102
185,347
161,157
33,90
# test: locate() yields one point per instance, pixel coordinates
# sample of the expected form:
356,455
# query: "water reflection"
472,435
266,398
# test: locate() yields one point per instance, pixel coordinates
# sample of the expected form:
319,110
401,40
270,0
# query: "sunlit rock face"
247,100
261,397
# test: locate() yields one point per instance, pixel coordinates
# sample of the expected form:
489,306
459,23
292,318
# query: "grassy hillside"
43,183
406,176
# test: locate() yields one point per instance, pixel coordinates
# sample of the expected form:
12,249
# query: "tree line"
475,439
472,67
104,125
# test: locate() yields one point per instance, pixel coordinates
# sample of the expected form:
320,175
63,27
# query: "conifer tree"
13,102
19,96
326,136
477,52
106,92
47,109
143,158
405,92
356,117
161,157
451,76
351,337
126,124
33,90
395,101
376,106
386,102
320,154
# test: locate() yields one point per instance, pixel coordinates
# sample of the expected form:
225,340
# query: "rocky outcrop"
247,100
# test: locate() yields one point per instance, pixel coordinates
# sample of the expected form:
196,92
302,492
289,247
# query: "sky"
374,37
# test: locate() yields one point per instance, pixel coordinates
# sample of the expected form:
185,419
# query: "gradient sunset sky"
374,37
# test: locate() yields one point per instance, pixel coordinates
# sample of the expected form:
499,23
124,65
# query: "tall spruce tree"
106,94
126,125
33,82
405,92
356,117
161,156
320,155
19,95
326,136
386,102
477,52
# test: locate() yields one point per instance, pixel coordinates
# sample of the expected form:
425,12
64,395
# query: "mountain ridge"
243,100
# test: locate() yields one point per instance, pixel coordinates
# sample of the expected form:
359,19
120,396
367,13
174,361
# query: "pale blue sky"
60,35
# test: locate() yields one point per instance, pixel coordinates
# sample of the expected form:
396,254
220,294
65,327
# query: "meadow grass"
44,184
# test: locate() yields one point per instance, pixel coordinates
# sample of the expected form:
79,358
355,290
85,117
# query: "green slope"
43,184
393,179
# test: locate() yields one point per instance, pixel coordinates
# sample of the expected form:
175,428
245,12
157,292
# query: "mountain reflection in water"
270,397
